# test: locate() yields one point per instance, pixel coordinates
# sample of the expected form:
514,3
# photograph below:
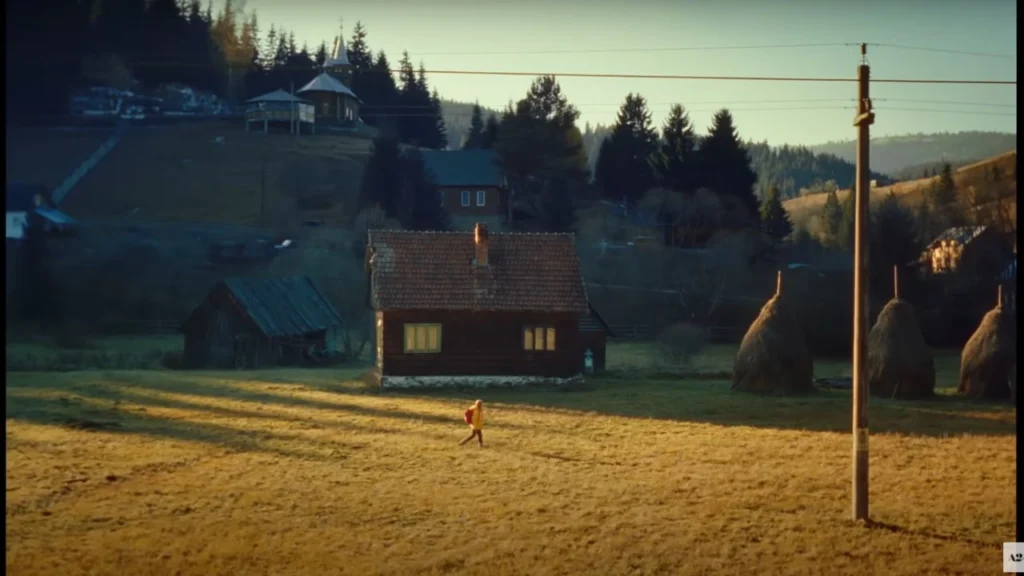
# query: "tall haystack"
988,362
900,363
773,356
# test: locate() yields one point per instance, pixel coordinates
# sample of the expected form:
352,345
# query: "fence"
154,328
640,333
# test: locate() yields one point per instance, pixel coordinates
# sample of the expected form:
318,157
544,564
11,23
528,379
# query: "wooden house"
472,187
260,322
476,308
973,249
594,334
31,204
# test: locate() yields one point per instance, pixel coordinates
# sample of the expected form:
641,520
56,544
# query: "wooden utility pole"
865,117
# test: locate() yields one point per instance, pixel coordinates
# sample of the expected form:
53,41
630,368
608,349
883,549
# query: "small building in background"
259,323
31,202
978,249
279,108
331,91
594,334
472,187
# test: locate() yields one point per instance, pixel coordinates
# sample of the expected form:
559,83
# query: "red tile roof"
435,271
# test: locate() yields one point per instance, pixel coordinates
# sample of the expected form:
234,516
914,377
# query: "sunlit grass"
311,472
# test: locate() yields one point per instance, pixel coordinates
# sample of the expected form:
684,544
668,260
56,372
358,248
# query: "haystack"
988,362
900,363
773,356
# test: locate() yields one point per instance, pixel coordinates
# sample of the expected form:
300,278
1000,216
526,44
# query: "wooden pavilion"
280,107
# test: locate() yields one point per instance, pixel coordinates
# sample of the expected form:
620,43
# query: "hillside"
456,120
802,210
892,154
219,173
47,156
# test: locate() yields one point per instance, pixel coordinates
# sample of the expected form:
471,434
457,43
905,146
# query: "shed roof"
960,234
275,96
288,306
593,322
463,167
435,271
324,82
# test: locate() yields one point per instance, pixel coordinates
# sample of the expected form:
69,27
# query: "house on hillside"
331,91
279,108
28,202
475,309
260,322
976,248
473,187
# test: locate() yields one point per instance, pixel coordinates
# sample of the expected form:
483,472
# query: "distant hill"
802,210
894,154
456,120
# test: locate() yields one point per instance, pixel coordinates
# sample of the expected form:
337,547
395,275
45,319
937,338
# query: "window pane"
421,338
465,197
432,337
551,339
538,338
480,197
527,339
410,340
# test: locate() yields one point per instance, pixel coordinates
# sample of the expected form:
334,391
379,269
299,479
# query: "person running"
475,418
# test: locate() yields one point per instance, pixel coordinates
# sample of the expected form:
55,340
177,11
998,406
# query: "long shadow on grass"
713,402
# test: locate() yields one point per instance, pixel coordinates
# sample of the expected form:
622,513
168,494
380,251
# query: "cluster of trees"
797,170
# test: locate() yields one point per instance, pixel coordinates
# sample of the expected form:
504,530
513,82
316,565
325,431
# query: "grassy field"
803,208
216,172
310,472
47,156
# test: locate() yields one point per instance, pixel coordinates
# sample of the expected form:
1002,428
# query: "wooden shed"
260,322
475,308
594,333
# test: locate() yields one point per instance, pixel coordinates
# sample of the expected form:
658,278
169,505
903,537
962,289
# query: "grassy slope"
49,155
912,192
182,173
303,472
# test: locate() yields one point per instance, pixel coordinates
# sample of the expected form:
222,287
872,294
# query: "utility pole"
865,117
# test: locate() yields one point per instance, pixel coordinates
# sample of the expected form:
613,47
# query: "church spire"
339,56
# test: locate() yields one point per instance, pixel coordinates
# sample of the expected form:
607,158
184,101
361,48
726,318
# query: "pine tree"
849,217
421,200
382,177
381,95
359,53
321,54
832,219
490,135
725,167
437,130
893,238
626,171
774,219
675,163
476,129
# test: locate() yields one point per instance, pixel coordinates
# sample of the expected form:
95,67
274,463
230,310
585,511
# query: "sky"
703,37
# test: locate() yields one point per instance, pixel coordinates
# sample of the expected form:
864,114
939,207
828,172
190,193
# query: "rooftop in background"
435,271
324,82
280,307
275,96
464,167
961,235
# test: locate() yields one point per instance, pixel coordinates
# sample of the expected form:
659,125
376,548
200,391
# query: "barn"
594,334
259,323
475,308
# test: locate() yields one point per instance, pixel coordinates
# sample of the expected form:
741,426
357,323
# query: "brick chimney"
482,241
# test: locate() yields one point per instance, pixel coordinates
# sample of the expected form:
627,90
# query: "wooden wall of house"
223,337
481,344
595,341
494,203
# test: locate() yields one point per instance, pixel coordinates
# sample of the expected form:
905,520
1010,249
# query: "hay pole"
895,283
999,296
778,283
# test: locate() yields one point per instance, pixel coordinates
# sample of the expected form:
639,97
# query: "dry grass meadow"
295,472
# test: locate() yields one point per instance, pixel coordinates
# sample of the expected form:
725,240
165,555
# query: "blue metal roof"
463,167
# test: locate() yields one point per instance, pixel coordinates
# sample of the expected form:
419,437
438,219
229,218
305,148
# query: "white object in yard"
286,243
218,140
588,361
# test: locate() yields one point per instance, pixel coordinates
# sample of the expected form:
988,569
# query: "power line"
941,111
950,102
715,78
941,50
660,49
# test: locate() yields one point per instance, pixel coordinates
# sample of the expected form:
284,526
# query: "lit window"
481,197
422,338
538,338
465,197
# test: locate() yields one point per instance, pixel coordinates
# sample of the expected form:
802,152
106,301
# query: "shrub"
679,343
173,360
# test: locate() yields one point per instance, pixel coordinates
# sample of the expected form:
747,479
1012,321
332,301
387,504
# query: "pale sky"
648,35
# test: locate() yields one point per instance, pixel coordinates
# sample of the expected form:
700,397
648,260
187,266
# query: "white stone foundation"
473,381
